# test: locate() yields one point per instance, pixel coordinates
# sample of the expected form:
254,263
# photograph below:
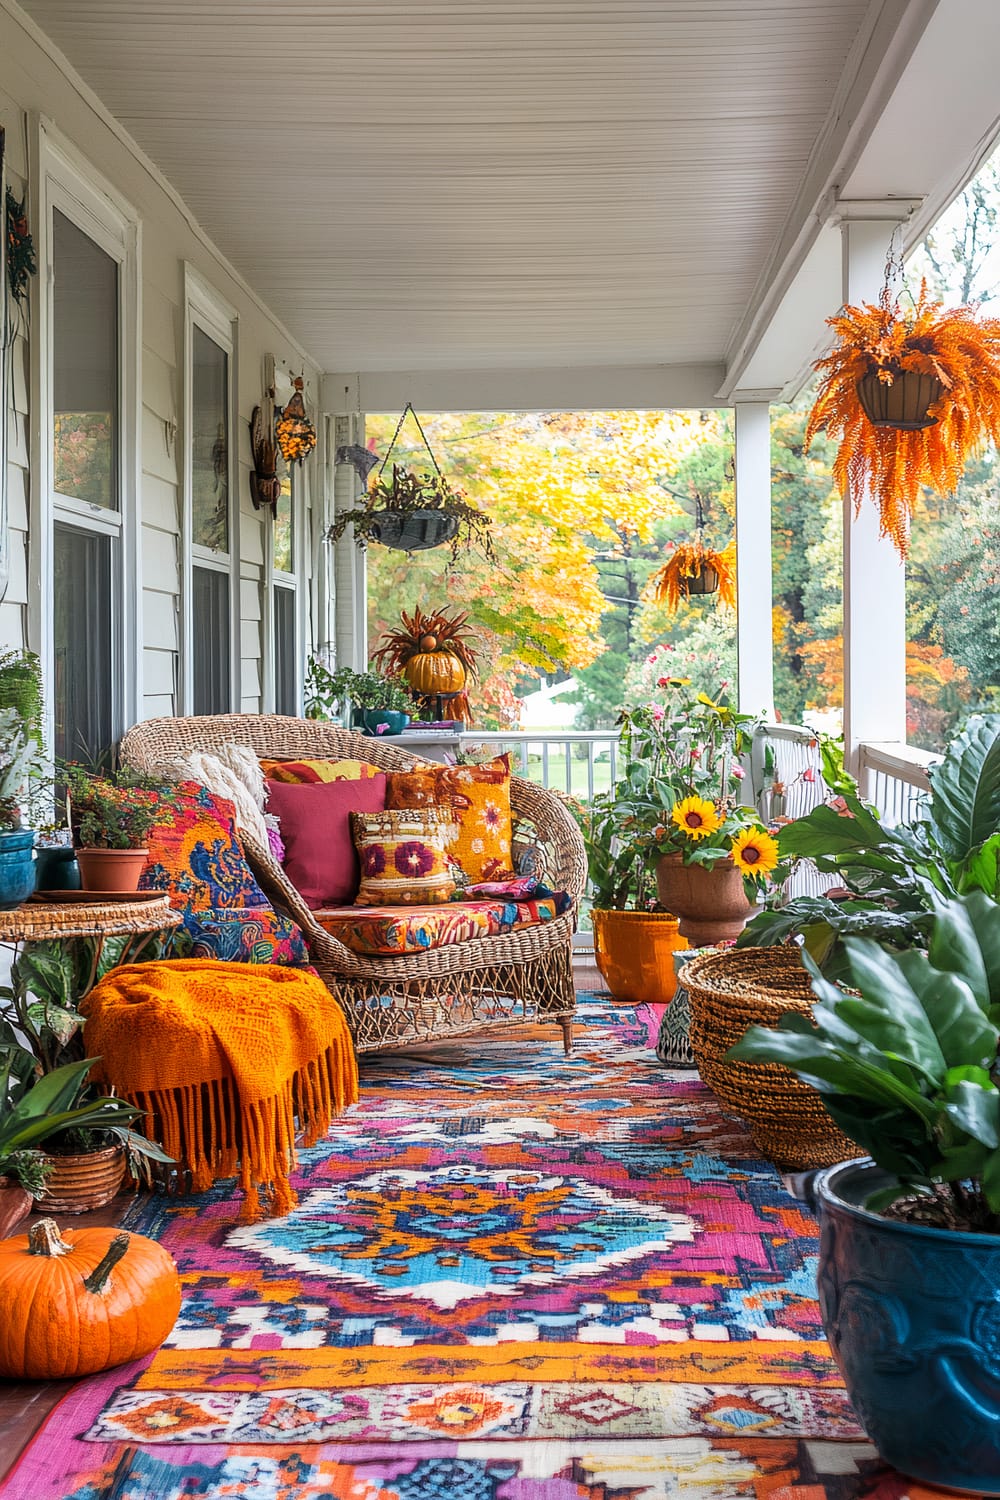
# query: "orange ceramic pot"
634,952
709,899
111,869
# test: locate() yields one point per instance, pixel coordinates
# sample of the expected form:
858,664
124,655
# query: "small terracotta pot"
15,1205
709,900
111,869
634,952
79,1183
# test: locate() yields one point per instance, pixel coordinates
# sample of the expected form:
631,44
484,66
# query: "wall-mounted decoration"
295,433
22,263
265,485
412,512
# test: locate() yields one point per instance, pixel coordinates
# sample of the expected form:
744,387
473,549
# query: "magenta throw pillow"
315,818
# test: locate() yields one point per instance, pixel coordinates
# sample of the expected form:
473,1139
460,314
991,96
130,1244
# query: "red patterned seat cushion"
379,931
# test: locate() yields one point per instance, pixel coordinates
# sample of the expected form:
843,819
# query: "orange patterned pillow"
318,770
404,856
479,798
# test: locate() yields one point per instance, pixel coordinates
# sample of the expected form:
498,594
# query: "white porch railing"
893,777
578,762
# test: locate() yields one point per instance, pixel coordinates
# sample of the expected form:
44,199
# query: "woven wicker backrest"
539,816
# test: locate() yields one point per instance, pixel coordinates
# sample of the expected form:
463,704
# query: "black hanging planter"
414,530
705,581
904,404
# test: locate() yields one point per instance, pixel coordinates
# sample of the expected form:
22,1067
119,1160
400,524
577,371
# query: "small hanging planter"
695,571
413,512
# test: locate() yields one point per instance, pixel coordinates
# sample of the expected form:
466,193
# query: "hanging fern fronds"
688,563
954,346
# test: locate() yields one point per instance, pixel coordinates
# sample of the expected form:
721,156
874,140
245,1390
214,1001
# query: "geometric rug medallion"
511,1275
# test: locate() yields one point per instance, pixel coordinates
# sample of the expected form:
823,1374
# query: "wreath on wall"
22,262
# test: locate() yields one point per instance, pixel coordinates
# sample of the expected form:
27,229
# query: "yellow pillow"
479,800
404,856
318,770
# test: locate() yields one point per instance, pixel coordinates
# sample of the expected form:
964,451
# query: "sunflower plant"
681,792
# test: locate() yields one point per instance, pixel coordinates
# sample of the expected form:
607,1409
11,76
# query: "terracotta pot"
111,869
79,1183
15,1205
709,900
634,952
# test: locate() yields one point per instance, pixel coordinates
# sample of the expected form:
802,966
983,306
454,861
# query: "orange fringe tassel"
222,1059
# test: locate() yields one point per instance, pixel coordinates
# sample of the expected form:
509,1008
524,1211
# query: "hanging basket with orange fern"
694,569
910,398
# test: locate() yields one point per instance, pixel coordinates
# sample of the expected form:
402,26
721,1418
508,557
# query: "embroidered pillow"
404,856
479,799
319,770
320,860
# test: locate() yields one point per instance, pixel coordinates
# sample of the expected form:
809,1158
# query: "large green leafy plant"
906,1061
689,749
891,874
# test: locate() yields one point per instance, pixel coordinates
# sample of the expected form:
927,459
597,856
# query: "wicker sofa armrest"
283,895
543,823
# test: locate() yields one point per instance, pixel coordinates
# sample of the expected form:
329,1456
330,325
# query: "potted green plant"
21,767
381,704
886,875
43,1117
905,1061
412,511
112,814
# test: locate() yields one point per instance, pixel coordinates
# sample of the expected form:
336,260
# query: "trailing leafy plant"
688,562
907,1063
21,767
329,692
889,875
406,493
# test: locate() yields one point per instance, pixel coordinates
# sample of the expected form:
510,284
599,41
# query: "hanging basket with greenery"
909,397
693,569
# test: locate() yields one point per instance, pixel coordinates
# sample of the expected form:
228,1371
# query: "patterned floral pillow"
318,770
195,857
479,799
404,856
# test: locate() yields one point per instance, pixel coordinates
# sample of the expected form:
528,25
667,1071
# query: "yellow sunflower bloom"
754,852
696,817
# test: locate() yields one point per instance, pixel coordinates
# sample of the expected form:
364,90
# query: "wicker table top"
39,921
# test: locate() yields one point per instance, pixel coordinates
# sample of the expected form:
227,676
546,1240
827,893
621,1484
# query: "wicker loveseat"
522,975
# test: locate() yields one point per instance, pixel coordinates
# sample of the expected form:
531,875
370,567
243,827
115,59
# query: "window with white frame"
211,543
286,651
87,385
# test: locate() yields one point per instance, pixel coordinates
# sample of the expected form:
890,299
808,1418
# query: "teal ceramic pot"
912,1315
373,718
17,867
56,869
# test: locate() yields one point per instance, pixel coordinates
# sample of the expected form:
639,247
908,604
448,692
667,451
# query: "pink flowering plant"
681,791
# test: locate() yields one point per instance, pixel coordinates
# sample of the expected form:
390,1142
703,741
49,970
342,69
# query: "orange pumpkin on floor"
74,1306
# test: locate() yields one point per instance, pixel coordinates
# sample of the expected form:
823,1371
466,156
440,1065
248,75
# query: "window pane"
282,528
85,367
210,443
211,641
82,696
286,698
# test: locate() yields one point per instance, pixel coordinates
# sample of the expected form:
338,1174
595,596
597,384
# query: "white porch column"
754,635
349,562
874,576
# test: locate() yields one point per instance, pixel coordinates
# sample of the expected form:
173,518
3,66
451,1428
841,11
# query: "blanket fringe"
210,1135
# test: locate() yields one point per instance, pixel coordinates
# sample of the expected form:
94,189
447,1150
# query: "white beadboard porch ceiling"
473,184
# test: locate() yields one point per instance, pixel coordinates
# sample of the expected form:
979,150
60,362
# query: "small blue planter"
17,867
372,718
912,1315
56,869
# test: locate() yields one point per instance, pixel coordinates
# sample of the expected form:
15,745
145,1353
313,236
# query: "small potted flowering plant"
112,814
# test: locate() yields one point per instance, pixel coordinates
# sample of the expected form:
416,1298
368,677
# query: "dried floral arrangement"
684,573
955,347
434,652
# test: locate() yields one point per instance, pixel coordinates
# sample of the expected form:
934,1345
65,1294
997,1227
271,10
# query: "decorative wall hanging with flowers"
22,262
910,397
295,434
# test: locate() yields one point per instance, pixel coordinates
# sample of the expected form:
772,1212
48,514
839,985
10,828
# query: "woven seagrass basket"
742,987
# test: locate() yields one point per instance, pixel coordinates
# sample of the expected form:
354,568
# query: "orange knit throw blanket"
221,1058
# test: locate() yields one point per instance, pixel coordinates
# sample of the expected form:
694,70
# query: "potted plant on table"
21,765
906,1063
380,704
112,814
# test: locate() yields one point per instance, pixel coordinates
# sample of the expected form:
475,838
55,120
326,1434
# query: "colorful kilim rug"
511,1276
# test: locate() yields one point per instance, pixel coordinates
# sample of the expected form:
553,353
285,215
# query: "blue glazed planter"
912,1315
371,718
17,867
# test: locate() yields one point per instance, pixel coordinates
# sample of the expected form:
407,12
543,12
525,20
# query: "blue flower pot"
56,869
912,1315
17,867
372,718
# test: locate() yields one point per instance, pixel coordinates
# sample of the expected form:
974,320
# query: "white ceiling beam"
584,388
